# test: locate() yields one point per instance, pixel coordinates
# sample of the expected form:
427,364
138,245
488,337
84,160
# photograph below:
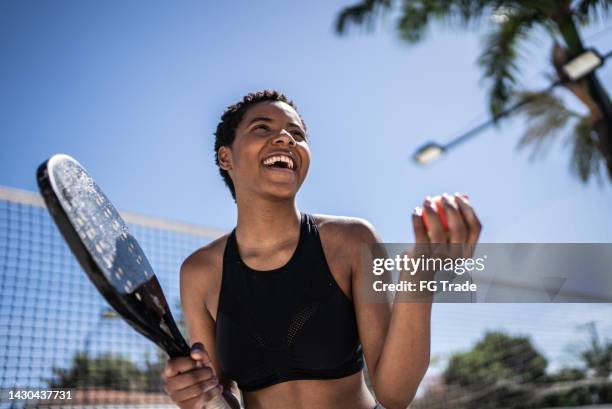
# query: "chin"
281,194
279,191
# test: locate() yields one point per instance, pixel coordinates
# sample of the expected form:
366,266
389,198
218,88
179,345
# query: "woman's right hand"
191,381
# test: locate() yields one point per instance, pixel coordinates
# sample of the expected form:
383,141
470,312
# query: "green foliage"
577,394
504,371
499,58
107,372
590,11
361,14
546,118
586,158
498,357
415,16
567,375
597,356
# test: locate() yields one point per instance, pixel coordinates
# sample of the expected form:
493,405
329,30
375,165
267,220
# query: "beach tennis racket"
109,254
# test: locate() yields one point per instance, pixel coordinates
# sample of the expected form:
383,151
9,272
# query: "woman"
276,301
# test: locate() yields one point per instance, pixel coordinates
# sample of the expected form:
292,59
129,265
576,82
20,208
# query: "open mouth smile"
279,161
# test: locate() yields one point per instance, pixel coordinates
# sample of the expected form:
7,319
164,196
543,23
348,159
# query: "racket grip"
218,403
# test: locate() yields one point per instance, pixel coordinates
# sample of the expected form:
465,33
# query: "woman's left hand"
448,222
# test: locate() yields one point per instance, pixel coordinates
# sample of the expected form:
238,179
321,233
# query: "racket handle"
218,403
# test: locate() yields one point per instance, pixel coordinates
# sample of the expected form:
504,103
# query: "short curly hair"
226,129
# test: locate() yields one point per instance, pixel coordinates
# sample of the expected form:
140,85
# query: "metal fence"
57,331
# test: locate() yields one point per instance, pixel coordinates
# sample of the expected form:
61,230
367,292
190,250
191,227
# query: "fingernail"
197,347
418,211
450,200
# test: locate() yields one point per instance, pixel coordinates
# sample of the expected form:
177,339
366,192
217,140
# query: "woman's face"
269,155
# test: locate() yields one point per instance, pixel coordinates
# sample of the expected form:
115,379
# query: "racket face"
99,226
107,251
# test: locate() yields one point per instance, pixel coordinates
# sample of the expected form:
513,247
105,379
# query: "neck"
264,223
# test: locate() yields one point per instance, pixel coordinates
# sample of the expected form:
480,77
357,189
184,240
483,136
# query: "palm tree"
514,22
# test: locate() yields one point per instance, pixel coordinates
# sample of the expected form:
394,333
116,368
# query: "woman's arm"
396,338
199,280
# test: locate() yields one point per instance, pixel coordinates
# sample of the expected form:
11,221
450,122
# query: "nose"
284,137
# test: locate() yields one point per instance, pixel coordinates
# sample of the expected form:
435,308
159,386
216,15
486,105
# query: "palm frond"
586,158
546,117
542,6
416,16
591,11
359,14
473,10
501,54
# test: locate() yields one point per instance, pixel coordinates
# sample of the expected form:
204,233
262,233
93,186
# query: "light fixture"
108,313
428,153
582,65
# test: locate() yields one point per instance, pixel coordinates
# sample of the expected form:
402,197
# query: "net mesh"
58,333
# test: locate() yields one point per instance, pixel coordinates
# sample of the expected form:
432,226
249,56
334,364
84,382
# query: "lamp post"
577,68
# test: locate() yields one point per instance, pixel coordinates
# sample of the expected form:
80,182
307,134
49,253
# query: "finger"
198,353
187,379
456,225
213,393
199,401
193,403
420,232
194,391
436,231
174,366
471,220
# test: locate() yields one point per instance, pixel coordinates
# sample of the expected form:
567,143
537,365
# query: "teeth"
279,158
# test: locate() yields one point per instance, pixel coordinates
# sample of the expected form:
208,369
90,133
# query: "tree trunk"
589,90
604,136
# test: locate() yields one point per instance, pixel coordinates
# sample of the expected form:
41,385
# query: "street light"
109,314
428,153
582,65
575,69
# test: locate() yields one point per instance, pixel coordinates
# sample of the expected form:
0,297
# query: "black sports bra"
290,323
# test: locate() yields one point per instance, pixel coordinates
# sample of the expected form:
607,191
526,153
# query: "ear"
225,157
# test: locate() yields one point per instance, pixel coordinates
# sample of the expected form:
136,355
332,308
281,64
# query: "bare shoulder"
352,230
202,270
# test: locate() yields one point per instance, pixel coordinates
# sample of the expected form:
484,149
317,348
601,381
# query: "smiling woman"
269,151
241,128
277,300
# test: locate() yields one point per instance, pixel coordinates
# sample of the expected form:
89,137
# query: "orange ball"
439,207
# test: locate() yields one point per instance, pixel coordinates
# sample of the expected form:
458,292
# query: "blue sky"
134,91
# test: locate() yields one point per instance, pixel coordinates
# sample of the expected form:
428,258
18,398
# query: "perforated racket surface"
109,254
